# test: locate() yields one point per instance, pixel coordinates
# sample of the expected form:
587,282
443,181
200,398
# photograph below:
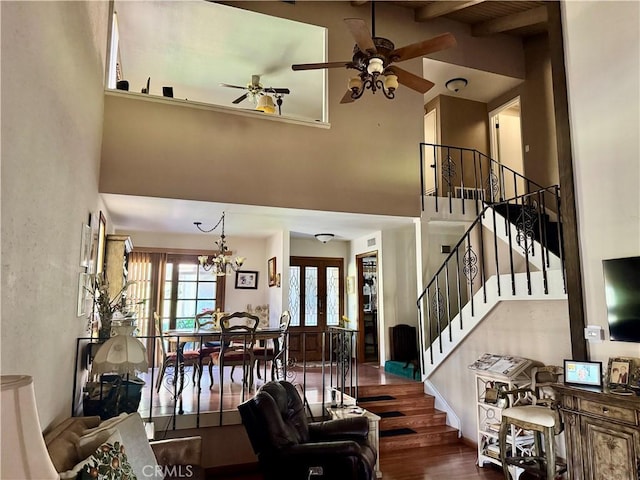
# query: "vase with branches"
106,306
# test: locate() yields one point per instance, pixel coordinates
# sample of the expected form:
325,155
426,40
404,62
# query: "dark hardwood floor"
450,462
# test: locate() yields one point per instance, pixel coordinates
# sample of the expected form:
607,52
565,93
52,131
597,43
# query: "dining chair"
169,359
275,354
238,337
207,320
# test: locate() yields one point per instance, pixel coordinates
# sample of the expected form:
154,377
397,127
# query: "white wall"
546,321
53,56
603,76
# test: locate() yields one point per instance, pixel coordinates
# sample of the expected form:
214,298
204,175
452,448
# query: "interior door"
315,302
368,341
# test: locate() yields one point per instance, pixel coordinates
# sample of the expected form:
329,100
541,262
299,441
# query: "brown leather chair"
288,446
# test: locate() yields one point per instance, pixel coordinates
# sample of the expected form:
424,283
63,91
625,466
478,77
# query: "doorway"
316,301
506,145
368,338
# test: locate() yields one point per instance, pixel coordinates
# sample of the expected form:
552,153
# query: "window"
189,289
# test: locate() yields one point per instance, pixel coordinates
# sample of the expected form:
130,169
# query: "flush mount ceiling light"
456,84
324,237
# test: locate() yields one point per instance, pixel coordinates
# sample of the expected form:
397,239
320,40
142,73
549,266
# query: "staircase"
512,249
408,417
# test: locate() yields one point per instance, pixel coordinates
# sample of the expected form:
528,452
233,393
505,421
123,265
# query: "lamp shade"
24,453
122,354
266,105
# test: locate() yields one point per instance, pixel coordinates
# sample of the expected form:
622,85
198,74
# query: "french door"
316,301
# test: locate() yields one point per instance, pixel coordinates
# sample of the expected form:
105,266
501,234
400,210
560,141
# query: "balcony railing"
187,398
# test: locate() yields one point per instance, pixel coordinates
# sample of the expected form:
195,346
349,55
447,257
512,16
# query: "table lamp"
24,453
122,354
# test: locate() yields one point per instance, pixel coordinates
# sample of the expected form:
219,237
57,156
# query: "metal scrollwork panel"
437,305
470,264
524,226
448,170
493,185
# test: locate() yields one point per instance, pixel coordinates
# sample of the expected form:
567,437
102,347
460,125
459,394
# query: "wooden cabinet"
602,434
116,262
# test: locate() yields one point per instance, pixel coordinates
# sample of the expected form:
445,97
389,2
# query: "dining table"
178,338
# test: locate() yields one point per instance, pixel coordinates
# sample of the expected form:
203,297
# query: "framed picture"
619,371
273,280
102,242
247,279
85,246
84,293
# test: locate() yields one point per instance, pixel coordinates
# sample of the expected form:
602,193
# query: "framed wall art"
85,245
247,279
273,279
102,243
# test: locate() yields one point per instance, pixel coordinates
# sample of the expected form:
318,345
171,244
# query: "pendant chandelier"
219,264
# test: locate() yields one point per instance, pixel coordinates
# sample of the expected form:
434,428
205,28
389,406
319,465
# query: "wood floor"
450,462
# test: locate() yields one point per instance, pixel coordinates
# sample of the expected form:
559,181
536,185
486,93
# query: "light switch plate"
594,333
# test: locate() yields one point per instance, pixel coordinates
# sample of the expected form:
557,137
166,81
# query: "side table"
374,420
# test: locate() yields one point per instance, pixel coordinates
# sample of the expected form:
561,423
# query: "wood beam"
568,205
527,18
438,9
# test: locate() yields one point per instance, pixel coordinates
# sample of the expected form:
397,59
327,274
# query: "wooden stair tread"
423,436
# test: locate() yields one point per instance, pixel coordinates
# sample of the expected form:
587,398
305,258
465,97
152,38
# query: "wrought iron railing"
460,174
530,226
337,371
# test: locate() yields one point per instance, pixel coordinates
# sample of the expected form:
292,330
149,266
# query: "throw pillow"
134,436
108,462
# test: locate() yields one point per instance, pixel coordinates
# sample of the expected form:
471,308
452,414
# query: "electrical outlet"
315,471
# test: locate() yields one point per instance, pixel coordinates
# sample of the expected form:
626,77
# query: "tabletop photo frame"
620,372
246,279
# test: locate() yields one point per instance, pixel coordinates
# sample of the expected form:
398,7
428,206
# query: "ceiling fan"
373,58
255,90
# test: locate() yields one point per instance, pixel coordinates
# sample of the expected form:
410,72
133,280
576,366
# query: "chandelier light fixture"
219,264
374,77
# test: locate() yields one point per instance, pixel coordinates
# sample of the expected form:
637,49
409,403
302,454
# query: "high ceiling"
194,46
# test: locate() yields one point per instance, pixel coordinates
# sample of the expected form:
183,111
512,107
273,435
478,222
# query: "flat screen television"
622,293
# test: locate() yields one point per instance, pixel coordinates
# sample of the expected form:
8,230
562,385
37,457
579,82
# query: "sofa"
288,446
82,447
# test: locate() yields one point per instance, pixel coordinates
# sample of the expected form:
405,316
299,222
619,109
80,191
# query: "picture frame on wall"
85,246
102,243
84,293
272,274
247,280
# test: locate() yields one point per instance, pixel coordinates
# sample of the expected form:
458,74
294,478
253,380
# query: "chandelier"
373,74
220,264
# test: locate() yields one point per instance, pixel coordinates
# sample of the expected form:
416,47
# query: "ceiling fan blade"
360,33
313,66
347,98
277,90
232,86
239,99
435,44
410,80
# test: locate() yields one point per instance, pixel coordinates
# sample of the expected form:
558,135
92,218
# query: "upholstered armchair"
288,446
